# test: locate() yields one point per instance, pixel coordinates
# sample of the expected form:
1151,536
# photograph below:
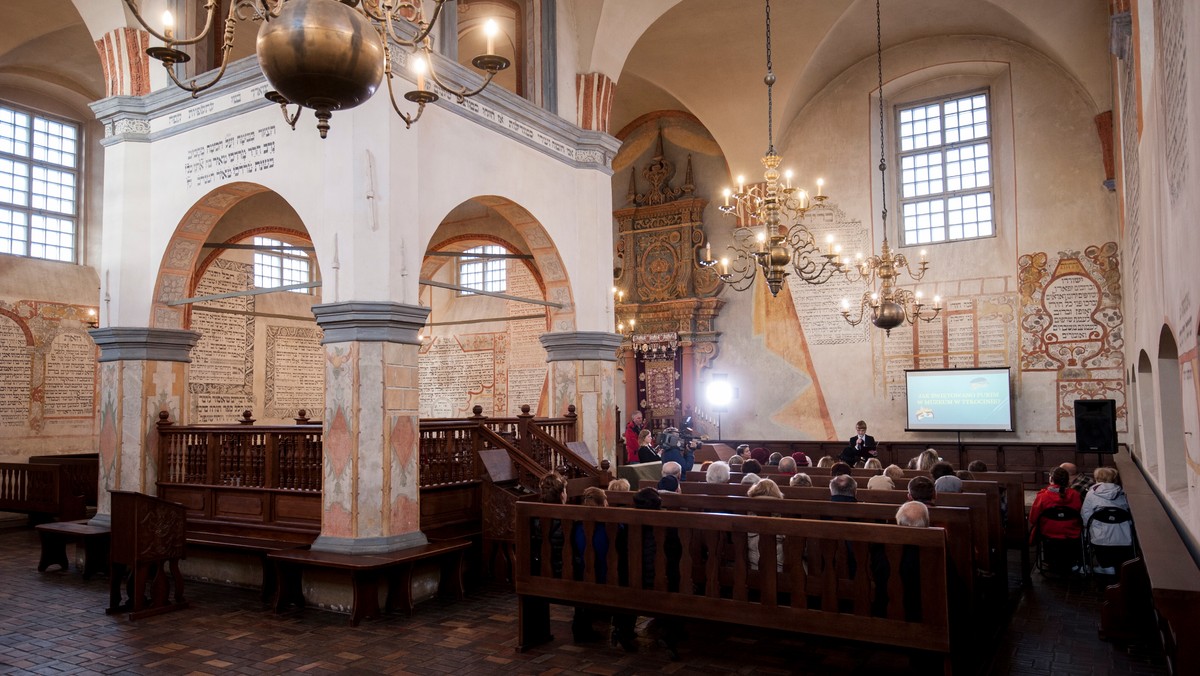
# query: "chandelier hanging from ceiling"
885,303
327,55
769,234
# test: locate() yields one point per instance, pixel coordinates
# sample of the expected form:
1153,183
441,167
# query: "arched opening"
494,285
259,348
1170,397
1132,411
1147,421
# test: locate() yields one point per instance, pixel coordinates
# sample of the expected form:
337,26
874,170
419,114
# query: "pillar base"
373,545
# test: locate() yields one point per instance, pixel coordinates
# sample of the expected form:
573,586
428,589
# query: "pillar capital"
581,346
133,343
370,321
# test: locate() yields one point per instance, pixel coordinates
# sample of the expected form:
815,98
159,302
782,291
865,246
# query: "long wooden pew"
817,592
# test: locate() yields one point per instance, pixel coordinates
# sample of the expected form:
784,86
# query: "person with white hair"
948,484
717,473
672,469
843,488
750,478
787,465
914,514
800,479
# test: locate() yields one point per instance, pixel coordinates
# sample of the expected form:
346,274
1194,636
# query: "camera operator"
675,449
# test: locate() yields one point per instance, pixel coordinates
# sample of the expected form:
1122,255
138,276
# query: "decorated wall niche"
47,378
1072,325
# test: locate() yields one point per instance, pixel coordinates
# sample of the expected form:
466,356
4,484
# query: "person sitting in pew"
735,463
760,454
947,484
1112,542
927,459
965,475
618,485
751,466
672,628
552,489
940,469
750,478
977,466
914,514
839,468
825,462
802,459
668,484
743,452
787,466
880,482
873,463
764,489
1080,481
774,459
645,451
1060,538
582,630
717,473
895,473
800,479
843,488
674,469
921,489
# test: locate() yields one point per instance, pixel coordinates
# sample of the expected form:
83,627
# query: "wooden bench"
43,491
365,572
56,535
1164,568
258,547
819,590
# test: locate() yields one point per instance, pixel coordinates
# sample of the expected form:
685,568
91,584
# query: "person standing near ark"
633,430
860,447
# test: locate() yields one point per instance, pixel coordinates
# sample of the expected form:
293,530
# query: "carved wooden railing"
284,457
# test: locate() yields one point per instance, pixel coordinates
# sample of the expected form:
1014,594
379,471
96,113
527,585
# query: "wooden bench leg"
268,578
400,587
533,622
452,583
95,555
365,602
287,587
54,551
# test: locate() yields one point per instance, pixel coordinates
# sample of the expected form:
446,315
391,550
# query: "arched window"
483,271
1147,419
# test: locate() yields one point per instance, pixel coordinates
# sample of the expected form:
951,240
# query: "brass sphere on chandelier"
888,315
321,54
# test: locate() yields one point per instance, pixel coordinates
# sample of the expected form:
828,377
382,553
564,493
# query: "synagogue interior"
310,309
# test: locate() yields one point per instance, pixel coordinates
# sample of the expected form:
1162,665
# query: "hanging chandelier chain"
770,80
882,146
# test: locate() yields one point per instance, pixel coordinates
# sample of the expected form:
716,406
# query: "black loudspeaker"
1096,425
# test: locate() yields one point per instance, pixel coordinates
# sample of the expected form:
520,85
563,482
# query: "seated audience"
947,484
825,462
743,451
735,462
552,489
802,459
645,451
940,469
717,473
1080,481
760,454
843,489
964,475
581,625
764,489
927,459
668,484
873,463
880,482
787,465
623,633
800,479
896,474
839,468
672,469
1112,542
752,465
977,466
775,458
618,485
912,462
750,478
1060,544
914,514
921,489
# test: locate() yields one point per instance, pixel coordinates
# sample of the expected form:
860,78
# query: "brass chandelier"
327,55
769,234
887,306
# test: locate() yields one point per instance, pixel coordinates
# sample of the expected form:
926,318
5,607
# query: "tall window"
484,274
282,267
39,185
946,170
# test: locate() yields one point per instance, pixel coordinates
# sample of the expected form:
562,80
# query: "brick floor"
54,623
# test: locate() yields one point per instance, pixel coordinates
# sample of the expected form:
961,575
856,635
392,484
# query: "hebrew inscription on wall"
978,331
527,357
295,371
221,377
223,160
15,366
69,387
1071,324
818,305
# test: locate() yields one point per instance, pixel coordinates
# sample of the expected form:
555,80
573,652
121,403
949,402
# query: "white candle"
419,67
820,187
727,193
169,25
724,266
490,29
708,251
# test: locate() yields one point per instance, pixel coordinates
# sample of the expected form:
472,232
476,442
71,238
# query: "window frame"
495,266
281,257
898,154
76,171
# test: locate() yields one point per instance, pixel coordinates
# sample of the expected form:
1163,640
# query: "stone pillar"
371,492
124,61
142,371
583,372
593,100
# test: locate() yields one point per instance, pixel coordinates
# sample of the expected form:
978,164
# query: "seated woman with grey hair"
764,489
718,473
750,478
800,479
736,461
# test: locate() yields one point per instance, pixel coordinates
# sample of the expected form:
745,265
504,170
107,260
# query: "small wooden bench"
260,547
56,535
365,571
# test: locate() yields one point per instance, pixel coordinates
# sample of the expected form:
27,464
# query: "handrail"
529,472
562,458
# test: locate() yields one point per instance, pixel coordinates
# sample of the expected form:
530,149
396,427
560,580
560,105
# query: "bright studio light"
719,393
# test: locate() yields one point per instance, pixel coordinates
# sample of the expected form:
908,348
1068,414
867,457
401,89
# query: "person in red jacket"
632,430
1061,538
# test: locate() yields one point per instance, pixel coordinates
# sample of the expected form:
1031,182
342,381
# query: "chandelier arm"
258,10
424,28
863,303
409,120
459,93
210,6
194,88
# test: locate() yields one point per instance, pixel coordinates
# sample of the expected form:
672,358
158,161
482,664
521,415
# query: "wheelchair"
1058,556
1106,559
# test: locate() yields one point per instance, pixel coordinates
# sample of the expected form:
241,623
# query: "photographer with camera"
675,449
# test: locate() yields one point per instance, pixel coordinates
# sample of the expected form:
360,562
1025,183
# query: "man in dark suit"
860,447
